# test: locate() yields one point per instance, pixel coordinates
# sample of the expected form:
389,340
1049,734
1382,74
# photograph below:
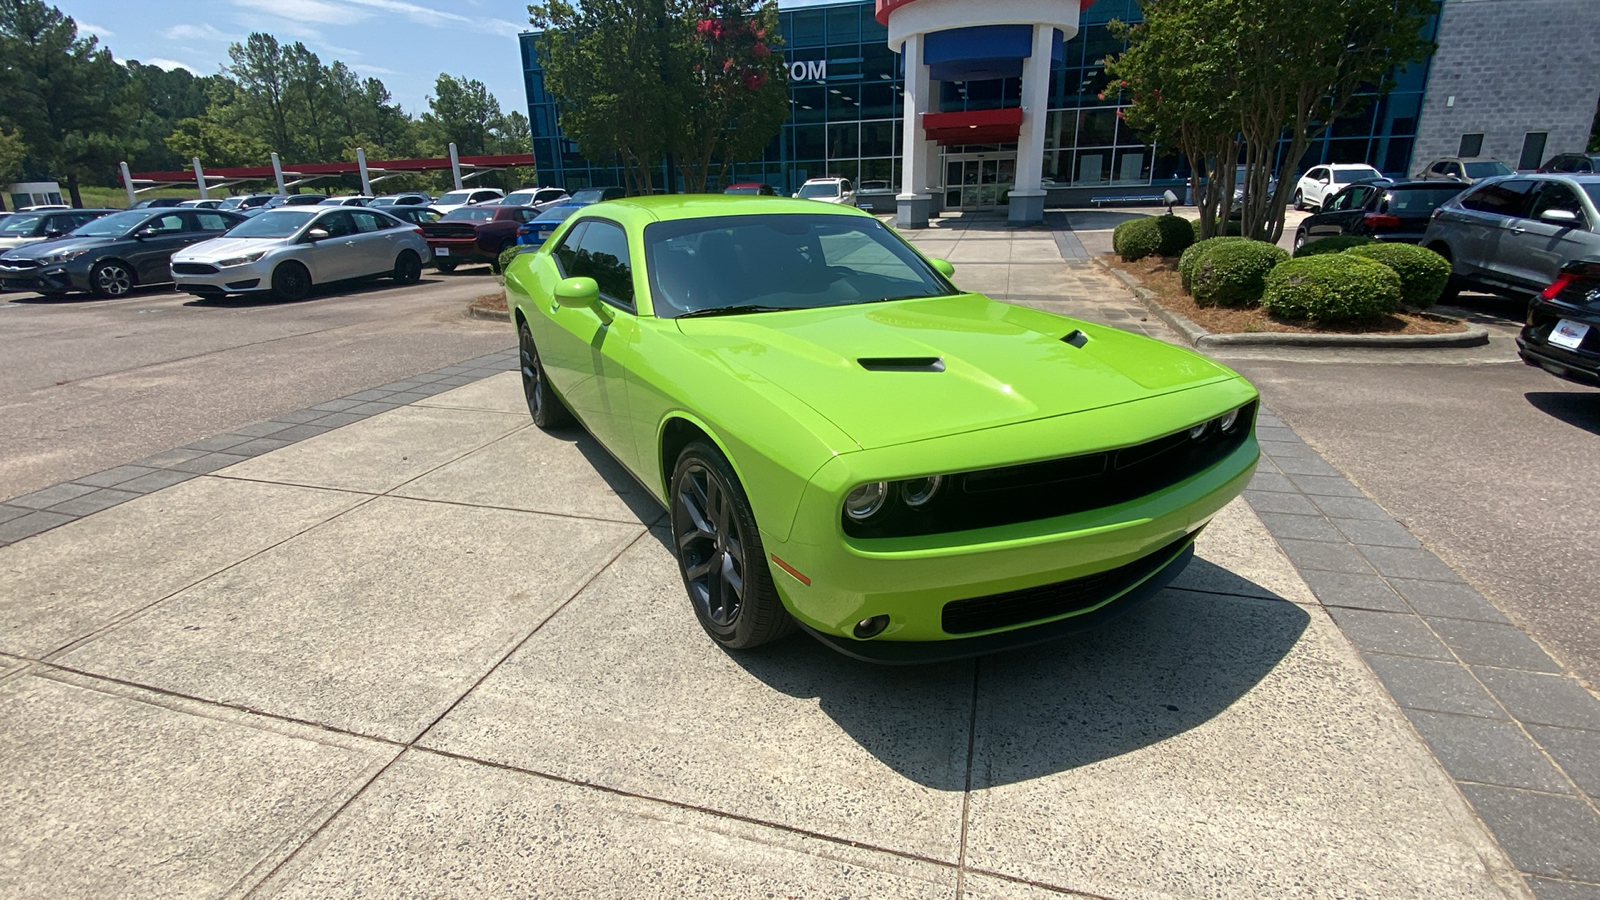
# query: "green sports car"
850,444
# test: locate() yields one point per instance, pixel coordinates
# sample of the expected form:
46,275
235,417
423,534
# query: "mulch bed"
1160,275
495,302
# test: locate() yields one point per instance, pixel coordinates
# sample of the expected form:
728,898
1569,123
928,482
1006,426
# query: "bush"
1234,273
1232,228
1339,243
1191,257
1137,238
1176,234
1340,287
1423,273
507,255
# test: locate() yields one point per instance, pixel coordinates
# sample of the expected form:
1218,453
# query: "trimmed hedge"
1233,228
1176,234
1191,257
1423,273
1340,287
1339,243
507,255
1137,238
1234,273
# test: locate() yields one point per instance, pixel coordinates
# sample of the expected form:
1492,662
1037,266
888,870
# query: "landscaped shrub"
1137,238
1339,243
1191,257
508,254
1234,273
1176,234
1233,228
1423,273
1340,287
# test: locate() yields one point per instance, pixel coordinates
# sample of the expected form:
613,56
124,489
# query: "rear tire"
544,406
720,557
1299,201
290,282
407,268
1453,287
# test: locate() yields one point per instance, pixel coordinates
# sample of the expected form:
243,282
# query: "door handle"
1517,230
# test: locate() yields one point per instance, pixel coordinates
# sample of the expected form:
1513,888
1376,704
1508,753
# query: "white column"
127,182
455,165
1027,197
361,163
277,173
913,199
200,179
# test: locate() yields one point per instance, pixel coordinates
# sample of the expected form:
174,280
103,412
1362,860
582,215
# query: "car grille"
194,269
18,265
1051,600
1056,487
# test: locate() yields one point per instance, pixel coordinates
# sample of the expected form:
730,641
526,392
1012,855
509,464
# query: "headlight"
1227,422
865,501
1199,431
241,260
62,257
919,491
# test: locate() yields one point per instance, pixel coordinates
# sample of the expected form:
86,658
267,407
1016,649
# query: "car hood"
226,248
1001,364
57,245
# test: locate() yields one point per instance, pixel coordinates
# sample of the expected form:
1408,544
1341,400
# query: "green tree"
69,101
169,98
461,110
733,92
12,152
224,134
261,72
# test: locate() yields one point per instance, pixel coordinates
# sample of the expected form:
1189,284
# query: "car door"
1339,213
1536,249
374,248
592,347
1477,228
150,251
1316,189
334,258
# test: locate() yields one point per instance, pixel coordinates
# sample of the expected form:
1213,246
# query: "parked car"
475,234
1469,170
1563,330
30,227
246,201
410,198
416,215
597,195
347,200
159,203
828,190
541,198
1573,163
454,200
799,386
758,188
865,186
43,207
113,254
285,252
280,200
202,204
1320,183
536,232
1385,210
1512,235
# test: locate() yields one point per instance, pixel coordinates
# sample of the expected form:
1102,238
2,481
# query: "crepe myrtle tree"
734,93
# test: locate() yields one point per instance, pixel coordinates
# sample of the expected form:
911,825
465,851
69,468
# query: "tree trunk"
72,189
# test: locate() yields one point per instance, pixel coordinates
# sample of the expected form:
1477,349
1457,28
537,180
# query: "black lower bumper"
1582,368
55,281
916,652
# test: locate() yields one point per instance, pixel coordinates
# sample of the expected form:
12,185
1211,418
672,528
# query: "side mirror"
316,234
579,293
943,266
795,195
1564,217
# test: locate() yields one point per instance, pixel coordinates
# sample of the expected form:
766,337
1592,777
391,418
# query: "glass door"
981,180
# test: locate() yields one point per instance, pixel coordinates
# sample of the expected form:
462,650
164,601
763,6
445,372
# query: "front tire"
546,408
1299,241
720,556
111,279
1299,201
407,268
290,282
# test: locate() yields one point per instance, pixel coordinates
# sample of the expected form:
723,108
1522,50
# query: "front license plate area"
441,251
1568,334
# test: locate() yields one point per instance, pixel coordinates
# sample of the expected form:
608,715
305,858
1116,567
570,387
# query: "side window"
171,223
603,256
1456,170
1439,168
366,222
212,222
845,186
1319,174
1553,195
1503,198
338,224
566,252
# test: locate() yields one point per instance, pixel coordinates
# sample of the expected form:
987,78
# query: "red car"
474,234
751,187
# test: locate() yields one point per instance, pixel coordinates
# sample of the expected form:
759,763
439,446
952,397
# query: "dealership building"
1002,102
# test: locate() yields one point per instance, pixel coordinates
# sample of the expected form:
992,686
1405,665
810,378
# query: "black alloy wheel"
111,279
545,407
407,268
720,556
290,282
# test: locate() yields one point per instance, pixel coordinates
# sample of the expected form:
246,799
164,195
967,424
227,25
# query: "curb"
488,315
1198,336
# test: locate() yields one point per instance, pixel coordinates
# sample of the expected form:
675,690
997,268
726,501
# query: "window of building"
1471,145
1532,149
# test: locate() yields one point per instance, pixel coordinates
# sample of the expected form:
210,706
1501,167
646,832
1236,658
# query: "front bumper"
57,278
191,277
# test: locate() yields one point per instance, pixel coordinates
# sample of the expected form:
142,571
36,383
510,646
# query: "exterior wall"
1512,67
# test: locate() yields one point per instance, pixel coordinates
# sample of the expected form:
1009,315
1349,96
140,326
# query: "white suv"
468,197
829,190
1319,185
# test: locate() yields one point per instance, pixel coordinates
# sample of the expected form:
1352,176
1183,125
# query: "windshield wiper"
738,309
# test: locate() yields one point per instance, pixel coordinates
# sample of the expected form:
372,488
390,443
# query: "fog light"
1227,422
920,490
865,501
871,628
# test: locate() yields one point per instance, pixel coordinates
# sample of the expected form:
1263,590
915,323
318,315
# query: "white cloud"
206,32
98,31
170,64
423,15
364,69
321,12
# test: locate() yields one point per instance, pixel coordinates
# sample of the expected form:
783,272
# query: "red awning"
885,7
979,126
436,164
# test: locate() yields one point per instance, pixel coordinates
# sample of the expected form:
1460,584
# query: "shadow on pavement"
1169,666
1487,309
330,290
1580,409
1101,219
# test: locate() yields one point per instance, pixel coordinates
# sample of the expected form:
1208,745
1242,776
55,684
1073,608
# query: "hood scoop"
1076,338
901,363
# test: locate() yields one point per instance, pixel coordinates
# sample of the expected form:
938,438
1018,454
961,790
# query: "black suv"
1573,163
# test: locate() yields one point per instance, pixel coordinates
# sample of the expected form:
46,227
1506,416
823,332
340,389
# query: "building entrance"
978,180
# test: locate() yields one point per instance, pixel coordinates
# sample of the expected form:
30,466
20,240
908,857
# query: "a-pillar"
1028,194
913,202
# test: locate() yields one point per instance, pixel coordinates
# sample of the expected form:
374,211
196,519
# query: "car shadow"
628,489
1168,666
1580,409
1487,309
83,297
352,288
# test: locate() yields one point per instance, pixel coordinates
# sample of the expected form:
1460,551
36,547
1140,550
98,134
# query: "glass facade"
846,93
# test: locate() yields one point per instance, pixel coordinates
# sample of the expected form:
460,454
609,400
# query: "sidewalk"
436,651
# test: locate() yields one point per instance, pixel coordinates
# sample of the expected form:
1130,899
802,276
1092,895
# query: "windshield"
1351,176
277,223
455,198
114,225
1593,190
591,196
791,261
20,225
556,213
825,189
1418,201
382,201
1486,169
520,198
469,214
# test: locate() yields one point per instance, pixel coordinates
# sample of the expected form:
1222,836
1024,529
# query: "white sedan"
284,252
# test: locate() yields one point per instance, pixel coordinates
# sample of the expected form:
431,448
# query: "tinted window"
273,224
1417,201
338,224
1593,190
213,222
566,253
167,224
1487,169
1553,195
556,213
603,255
366,222
1504,198
1348,176
469,214
21,226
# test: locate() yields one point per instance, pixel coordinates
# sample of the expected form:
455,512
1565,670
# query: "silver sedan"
285,252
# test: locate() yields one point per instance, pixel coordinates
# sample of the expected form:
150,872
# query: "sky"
407,43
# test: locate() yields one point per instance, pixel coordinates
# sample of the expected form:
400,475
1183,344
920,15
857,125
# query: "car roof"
696,206
1348,166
